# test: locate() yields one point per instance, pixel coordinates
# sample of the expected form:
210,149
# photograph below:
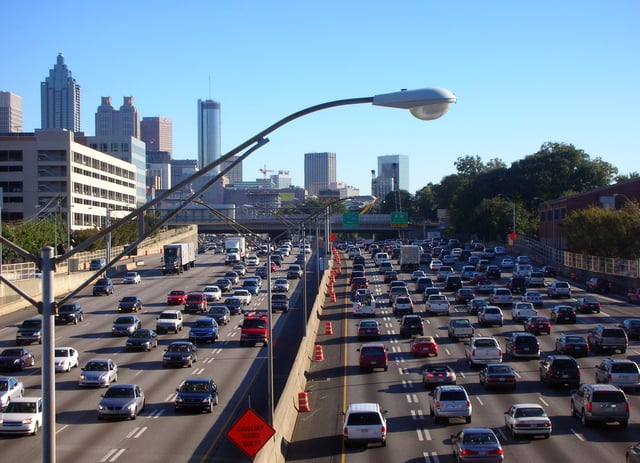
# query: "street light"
553,220
514,212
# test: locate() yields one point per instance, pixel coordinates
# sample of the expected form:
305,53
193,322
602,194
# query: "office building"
124,122
157,134
60,99
393,174
319,171
209,147
281,180
10,112
235,173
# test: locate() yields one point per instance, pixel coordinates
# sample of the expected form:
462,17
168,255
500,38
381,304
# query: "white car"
212,293
527,419
23,415
65,358
280,285
253,261
244,295
507,262
435,265
131,278
10,388
534,297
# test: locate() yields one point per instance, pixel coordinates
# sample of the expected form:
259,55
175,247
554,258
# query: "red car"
177,297
538,325
424,345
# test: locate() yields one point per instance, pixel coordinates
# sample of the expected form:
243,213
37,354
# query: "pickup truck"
633,296
437,304
460,328
522,311
482,350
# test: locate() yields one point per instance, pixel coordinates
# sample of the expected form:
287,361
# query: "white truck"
437,304
178,257
235,249
522,311
482,350
409,258
364,303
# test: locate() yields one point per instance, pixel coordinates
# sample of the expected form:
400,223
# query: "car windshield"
530,412
21,407
194,387
96,366
119,392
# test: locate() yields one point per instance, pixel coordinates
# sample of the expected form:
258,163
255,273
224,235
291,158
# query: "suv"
623,373
410,325
501,296
605,338
450,402
373,355
30,331
97,264
559,289
536,279
169,320
560,369
69,313
279,301
523,345
103,286
600,402
254,328
453,283
364,423
518,284
196,302
598,285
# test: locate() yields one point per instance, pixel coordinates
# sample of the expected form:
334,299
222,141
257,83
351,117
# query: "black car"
30,331
69,313
549,271
411,325
220,313
493,272
103,286
560,370
197,394
142,339
130,304
180,354
16,358
632,327
563,314
598,285
234,304
224,284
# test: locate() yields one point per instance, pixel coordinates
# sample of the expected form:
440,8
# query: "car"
533,297
435,265
633,453
71,312
449,259
588,305
598,285
522,345
212,293
605,338
142,339
468,443
358,260
169,320
490,315
180,354
559,370
467,272
177,297
417,274
368,329
506,262
537,325
527,419
364,423
385,267
10,388
294,272
536,279
563,314
450,401
631,326
29,331
501,296
23,415
389,276
234,304
97,264
124,325
423,283
602,403
424,346
493,272
103,286
121,401
16,358
464,295
460,328
244,295
65,358
484,287
623,373
130,304
100,372
279,301
232,276
549,271
476,305
220,313
498,375
453,283
373,355
196,395
239,268
443,272
132,278
253,286
434,375
280,285
558,289
196,302
479,277
204,329
253,261
224,284
517,284
402,305
572,344
499,250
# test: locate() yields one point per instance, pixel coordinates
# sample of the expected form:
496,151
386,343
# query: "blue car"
205,329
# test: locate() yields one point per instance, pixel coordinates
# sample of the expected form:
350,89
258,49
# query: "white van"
380,257
523,270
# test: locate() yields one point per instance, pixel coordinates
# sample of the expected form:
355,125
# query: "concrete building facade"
10,112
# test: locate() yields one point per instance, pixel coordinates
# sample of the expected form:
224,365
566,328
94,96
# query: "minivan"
373,355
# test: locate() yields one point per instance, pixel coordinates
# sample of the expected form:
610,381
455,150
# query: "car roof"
364,407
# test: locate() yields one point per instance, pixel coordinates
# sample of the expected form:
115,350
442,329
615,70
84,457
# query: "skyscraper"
157,133
319,171
122,123
60,99
393,174
10,112
208,133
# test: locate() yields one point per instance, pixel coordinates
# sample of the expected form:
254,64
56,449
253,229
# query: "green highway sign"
351,219
399,219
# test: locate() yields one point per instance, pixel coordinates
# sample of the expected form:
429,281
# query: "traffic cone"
303,402
319,356
332,297
328,328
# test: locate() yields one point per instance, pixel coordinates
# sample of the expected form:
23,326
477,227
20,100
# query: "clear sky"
525,73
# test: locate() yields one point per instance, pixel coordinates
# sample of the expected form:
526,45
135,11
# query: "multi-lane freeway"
412,434
158,433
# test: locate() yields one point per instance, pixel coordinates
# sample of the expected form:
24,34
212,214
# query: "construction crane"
265,171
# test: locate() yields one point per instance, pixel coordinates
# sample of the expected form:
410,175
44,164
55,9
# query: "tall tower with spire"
60,99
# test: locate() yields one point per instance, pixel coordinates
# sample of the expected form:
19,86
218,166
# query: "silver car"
623,373
10,388
450,402
121,401
99,372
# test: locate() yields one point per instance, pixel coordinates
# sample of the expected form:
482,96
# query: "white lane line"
480,401
544,402
61,428
576,434
112,455
156,413
170,397
198,371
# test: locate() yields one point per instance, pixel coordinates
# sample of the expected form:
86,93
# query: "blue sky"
524,72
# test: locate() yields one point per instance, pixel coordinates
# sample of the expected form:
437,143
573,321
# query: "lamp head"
426,104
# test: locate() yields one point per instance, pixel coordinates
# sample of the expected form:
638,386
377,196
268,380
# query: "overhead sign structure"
250,432
399,219
351,219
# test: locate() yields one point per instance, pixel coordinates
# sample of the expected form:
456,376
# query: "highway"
158,434
412,435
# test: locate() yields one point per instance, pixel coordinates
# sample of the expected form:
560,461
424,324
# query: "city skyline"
517,88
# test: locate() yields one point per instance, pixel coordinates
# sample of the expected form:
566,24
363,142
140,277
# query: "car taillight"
495,452
628,407
345,431
383,430
589,406
468,452
437,404
609,377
